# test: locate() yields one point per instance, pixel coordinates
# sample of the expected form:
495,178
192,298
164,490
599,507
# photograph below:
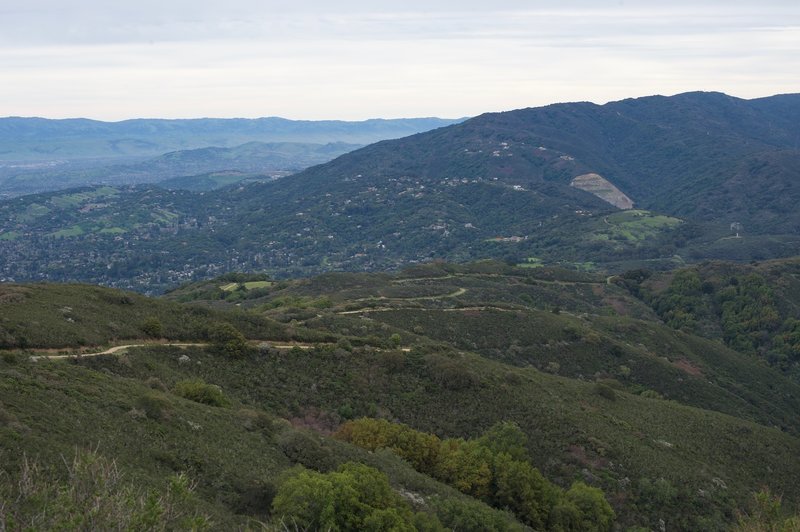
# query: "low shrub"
605,391
155,406
257,421
199,391
306,449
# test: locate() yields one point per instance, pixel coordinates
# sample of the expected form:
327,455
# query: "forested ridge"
710,177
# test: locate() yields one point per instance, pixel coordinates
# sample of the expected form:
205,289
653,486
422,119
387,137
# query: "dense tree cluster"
492,468
742,309
354,497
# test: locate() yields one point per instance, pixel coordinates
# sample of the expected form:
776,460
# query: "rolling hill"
688,155
699,168
672,428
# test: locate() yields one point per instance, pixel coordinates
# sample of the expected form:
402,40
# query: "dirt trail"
418,279
458,292
109,351
459,309
121,348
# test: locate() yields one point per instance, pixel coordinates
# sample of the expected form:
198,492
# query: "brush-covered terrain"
471,397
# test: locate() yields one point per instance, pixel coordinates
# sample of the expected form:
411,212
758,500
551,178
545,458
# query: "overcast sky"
317,59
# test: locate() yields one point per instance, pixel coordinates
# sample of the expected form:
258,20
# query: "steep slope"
603,189
164,456
507,175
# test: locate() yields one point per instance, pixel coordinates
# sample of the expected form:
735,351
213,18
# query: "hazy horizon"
356,120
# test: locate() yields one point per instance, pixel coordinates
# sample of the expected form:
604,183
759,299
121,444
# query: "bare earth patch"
603,189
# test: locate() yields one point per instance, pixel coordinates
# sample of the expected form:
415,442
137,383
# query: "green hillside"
575,325
708,179
234,456
438,332
606,397
83,316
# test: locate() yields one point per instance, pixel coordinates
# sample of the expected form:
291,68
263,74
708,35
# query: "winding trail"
458,292
109,351
422,309
119,349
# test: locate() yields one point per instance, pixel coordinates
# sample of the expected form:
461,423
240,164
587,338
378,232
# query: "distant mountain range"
41,139
40,155
709,175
